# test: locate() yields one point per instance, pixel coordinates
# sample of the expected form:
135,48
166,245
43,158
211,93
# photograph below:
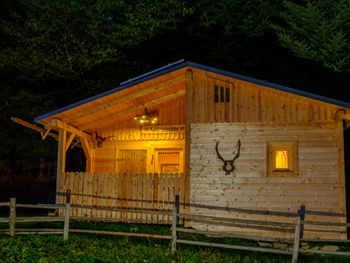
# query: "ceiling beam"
96,123
126,98
56,123
35,127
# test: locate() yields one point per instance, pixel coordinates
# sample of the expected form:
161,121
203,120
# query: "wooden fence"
297,228
125,191
293,247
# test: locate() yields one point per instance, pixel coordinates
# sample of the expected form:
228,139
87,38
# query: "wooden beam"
86,147
342,114
89,154
35,127
341,172
124,99
55,123
44,135
188,121
61,159
154,102
70,140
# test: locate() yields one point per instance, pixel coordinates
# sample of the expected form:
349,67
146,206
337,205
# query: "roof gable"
181,64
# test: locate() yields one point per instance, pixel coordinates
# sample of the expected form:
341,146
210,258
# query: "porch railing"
145,191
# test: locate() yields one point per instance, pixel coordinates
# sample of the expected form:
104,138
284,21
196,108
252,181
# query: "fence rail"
293,244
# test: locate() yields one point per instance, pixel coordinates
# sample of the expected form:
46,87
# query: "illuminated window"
282,158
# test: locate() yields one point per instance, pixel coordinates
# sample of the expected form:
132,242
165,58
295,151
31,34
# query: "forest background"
55,52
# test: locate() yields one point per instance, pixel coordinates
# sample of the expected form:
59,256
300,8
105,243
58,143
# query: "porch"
147,191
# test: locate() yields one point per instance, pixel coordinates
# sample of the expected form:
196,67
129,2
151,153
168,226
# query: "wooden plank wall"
250,102
132,161
106,159
136,134
318,185
123,190
169,113
118,107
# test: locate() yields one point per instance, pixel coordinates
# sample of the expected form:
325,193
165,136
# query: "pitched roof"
181,64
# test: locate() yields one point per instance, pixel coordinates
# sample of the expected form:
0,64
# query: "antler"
228,166
218,155
238,151
100,139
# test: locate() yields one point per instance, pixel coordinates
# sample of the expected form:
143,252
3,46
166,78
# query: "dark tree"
318,31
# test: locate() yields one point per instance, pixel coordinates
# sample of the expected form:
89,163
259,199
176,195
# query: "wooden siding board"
341,168
253,103
317,185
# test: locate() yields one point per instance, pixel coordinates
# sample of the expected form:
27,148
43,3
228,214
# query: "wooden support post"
301,213
66,216
188,121
89,154
173,227
299,233
296,241
12,218
61,160
177,205
341,174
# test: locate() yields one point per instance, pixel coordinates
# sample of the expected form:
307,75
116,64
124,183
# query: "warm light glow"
146,118
281,159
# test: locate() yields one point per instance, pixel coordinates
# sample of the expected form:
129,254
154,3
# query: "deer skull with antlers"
228,166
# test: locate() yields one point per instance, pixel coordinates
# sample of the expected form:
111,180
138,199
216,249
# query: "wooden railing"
124,191
293,247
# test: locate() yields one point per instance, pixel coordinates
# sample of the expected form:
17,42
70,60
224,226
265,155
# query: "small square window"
222,93
282,158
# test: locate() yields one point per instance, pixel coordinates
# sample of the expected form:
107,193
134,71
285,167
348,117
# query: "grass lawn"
93,248
97,248
89,248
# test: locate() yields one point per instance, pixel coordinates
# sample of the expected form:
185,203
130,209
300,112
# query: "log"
296,241
223,234
43,206
236,220
315,251
173,231
258,249
66,217
112,233
12,218
39,219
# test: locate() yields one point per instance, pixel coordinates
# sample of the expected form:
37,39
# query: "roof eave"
181,64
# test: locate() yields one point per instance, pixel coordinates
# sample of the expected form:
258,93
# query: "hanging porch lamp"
147,118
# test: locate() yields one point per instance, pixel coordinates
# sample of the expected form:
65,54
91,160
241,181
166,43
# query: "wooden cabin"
287,145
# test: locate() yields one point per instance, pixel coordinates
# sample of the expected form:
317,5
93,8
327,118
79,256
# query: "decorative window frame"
292,148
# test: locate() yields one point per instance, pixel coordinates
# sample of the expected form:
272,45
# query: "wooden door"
169,161
132,161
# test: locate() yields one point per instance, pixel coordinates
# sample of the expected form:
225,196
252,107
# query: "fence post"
177,205
66,216
12,217
299,233
174,223
302,218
